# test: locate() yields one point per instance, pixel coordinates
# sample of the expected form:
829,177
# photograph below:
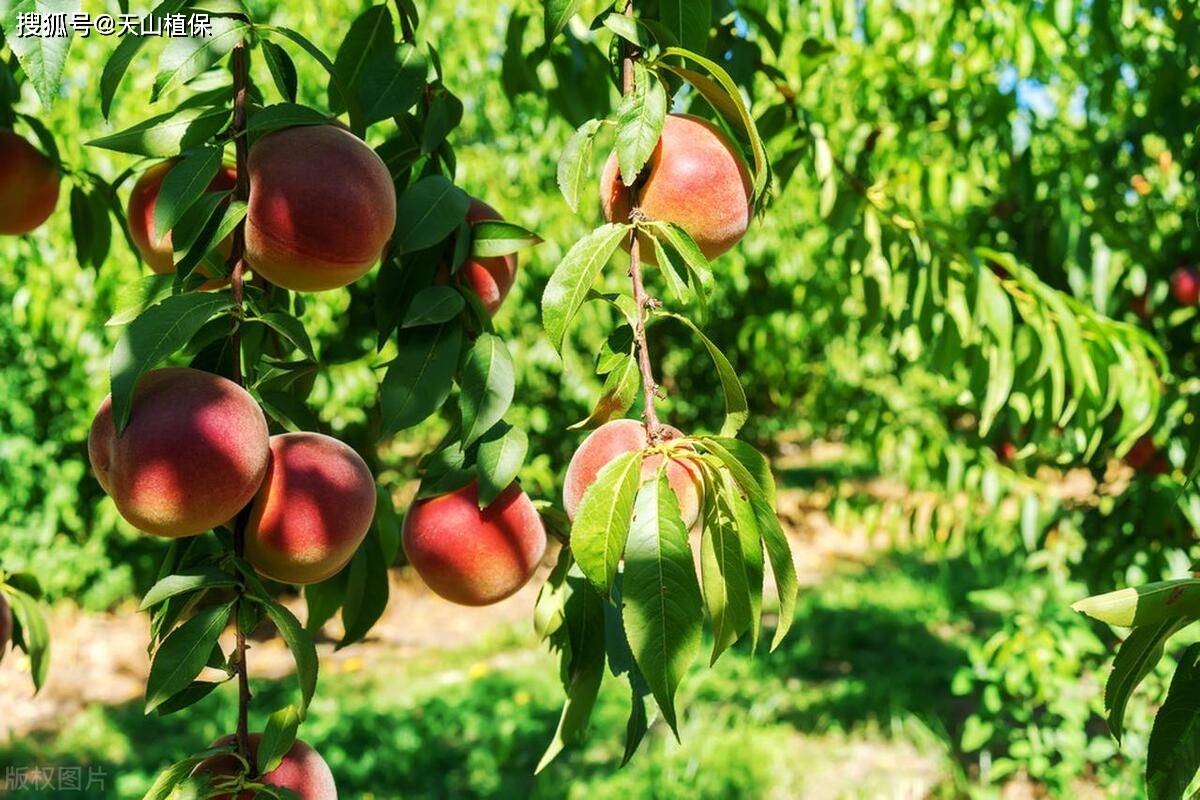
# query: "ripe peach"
1185,286
616,438
28,185
322,208
471,556
6,625
1145,457
193,455
313,510
302,770
695,178
490,278
158,253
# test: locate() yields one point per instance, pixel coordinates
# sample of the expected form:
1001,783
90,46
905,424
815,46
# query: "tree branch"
640,298
240,67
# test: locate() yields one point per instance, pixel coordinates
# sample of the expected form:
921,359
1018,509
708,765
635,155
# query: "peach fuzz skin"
613,439
695,178
490,278
28,185
159,254
193,455
302,770
322,207
313,510
474,557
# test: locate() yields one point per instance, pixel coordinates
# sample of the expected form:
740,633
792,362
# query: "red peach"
193,455
302,770
616,438
322,208
313,510
470,556
695,178
1145,456
158,253
490,278
1185,286
28,185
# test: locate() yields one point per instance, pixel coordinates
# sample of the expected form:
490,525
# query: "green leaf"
185,58
134,298
118,63
1136,657
392,83
166,135
444,115
35,632
283,70
617,395
366,592
157,333
184,582
640,120
575,163
164,785
429,211
291,329
754,462
184,653
283,115
688,21
1145,605
1173,754
419,380
723,574
300,642
602,521
488,381
277,739
549,608
42,58
699,270
371,35
183,185
193,693
582,651
501,454
737,410
663,607
557,14
323,599
568,287
492,238
434,305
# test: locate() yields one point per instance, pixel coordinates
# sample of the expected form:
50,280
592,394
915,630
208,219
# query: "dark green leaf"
487,380
501,454
184,653
419,380
568,287
602,521
428,212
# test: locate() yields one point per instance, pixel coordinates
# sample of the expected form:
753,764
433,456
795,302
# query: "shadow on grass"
868,647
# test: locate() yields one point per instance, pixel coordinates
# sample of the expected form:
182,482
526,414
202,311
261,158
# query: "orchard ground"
442,702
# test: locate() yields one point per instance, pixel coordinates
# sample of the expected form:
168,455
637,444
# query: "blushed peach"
695,178
193,455
322,208
613,439
313,510
470,556
302,770
28,185
490,278
158,253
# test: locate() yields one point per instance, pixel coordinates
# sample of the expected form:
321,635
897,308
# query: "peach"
1185,286
313,510
28,185
193,455
302,770
322,208
695,178
616,438
158,253
490,278
6,625
470,556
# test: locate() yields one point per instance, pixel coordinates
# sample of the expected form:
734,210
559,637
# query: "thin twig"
240,66
642,300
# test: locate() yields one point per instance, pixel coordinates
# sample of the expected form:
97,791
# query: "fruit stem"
643,301
240,67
